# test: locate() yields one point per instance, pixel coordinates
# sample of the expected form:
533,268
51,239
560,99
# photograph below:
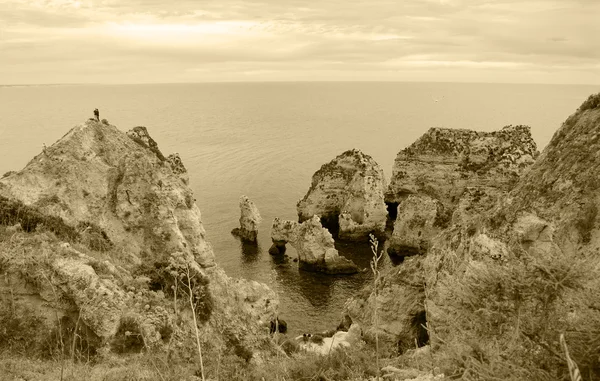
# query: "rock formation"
443,162
101,193
523,269
314,244
348,195
249,220
282,232
443,186
325,345
419,219
316,250
400,309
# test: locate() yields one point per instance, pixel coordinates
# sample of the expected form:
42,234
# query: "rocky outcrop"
419,219
325,345
316,250
521,267
98,174
347,193
282,232
443,188
249,220
562,187
400,309
101,193
443,162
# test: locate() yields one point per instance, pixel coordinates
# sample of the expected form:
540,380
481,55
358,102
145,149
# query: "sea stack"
316,250
282,232
249,220
348,195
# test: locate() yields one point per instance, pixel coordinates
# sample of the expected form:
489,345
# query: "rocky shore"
488,270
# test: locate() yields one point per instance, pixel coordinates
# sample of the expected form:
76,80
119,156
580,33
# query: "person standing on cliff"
97,114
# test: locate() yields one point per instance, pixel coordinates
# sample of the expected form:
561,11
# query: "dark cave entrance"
419,322
331,223
392,208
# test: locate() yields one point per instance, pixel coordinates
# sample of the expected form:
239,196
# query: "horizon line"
288,82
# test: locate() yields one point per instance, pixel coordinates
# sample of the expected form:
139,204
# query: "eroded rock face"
98,174
348,195
400,307
562,186
519,241
100,184
419,219
249,220
282,232
316,250
443,162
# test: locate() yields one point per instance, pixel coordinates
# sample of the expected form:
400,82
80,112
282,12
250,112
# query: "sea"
266,140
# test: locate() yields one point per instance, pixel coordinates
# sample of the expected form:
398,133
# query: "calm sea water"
265,140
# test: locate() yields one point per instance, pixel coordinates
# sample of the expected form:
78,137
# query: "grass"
502,320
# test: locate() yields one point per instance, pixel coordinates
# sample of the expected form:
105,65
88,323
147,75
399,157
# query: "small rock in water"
249,220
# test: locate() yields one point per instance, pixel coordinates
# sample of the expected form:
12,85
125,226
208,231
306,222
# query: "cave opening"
419,322
392,208
331,222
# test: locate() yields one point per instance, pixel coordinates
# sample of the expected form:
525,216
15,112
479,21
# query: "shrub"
128,338
592,102
587,219
20,329
14,212
94,237
502,320
80,343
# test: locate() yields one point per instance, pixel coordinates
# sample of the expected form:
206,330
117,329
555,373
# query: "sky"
157,41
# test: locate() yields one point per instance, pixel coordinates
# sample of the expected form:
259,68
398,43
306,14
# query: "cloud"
150,40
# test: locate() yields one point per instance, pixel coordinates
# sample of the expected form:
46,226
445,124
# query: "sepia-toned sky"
146,41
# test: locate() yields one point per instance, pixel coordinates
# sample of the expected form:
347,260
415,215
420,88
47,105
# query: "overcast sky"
145,41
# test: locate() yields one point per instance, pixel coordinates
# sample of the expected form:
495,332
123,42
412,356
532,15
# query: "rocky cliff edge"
102,229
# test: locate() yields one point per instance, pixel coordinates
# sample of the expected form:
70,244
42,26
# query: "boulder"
316,250
443,162
348,195
419,219
325,345
249,220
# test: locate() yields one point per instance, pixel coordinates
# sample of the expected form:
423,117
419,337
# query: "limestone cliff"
112,237
443,186
523,268
347,193
98,174
418,220
563,186
443,162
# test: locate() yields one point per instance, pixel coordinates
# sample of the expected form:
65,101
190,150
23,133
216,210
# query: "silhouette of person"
97,114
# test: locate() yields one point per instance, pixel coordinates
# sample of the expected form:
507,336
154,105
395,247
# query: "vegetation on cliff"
507,282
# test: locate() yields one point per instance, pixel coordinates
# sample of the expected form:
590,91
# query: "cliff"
443,162
514,266
522,268
107,237
347,194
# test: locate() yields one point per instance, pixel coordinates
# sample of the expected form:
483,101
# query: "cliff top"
448,141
